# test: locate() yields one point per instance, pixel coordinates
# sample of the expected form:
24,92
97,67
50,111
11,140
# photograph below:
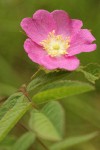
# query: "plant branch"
43,145
25,93
35,73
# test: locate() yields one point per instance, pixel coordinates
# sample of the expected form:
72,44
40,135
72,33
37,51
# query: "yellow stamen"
56,45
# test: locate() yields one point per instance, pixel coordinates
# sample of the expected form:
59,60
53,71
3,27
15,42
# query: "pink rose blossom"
54,39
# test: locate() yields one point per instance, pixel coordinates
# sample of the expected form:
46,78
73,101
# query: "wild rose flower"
54,39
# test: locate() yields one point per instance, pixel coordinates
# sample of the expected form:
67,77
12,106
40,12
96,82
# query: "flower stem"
25,93
35,73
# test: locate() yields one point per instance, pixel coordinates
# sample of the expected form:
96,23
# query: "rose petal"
35,52
81,42
63,22
67,63
38,27
84,36
81,48
75,26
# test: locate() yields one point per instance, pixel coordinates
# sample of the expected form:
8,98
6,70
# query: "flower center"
56,45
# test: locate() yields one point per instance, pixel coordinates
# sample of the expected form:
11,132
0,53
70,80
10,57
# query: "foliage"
46,123
33,118
24,142
91,72
10,113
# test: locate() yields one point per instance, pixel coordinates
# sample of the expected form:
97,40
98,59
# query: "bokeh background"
82,112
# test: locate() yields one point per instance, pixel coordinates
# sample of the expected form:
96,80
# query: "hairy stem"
25,93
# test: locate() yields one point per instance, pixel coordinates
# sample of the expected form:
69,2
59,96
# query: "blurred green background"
16,68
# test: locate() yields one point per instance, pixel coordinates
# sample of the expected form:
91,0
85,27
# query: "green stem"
43,145
25,93
36,73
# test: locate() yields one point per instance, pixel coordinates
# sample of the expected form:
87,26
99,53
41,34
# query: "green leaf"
7,143
11,112
54,111
6,89
43,126
91,72
69,142
24,142
43,78
61,89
